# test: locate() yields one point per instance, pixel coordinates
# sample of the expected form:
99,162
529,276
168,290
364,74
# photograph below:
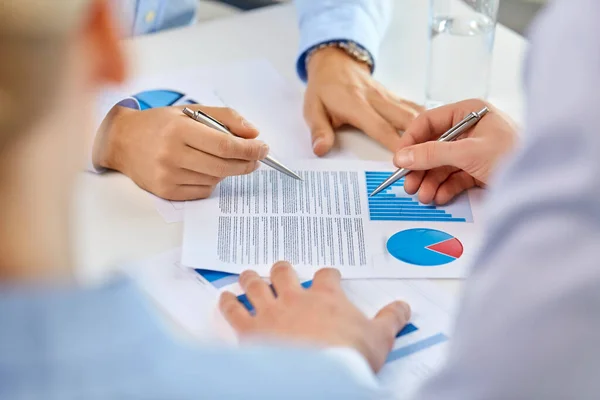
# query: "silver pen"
452,134
209,121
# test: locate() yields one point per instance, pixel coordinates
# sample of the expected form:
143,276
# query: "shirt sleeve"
104,104
529,323
363,22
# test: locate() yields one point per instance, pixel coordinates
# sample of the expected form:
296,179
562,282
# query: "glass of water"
461,40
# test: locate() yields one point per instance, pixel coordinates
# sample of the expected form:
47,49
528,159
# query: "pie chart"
424,247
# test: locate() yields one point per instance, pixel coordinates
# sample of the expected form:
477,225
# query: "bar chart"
217,278
416,347
394,204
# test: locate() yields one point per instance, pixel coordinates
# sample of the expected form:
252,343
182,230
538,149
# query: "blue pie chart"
161,98
424,247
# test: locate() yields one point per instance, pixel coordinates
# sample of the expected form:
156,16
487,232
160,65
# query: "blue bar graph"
246,302
408,328
413,348
393,204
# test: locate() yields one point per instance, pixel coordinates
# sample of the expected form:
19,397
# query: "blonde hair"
33,39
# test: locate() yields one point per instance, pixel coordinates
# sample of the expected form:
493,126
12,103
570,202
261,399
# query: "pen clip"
205,115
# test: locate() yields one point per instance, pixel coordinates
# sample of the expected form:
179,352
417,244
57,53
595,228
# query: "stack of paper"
328,219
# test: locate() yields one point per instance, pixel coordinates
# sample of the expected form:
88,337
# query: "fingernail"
316,143
248,125
405,309
264,151
404,158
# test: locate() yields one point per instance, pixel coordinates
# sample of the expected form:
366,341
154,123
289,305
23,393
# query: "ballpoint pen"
209,121
452,134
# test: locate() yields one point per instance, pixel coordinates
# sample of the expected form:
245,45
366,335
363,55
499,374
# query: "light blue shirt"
141,17
67,344
361,21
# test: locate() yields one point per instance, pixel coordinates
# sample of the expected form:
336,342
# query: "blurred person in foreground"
529,323
178,159
60,341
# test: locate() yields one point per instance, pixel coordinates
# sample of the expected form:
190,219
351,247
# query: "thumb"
433,154
321,130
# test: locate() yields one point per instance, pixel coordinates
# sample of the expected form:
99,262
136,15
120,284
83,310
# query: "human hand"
442,170
321,315
341,91
171,155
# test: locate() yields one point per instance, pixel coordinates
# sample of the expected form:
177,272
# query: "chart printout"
328,219
190,298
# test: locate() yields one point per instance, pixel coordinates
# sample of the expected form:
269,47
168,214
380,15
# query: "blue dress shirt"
361,21
141,17
106,343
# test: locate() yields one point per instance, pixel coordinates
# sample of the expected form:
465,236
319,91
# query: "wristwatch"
351,48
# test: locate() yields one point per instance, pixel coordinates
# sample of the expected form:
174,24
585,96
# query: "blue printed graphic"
162,98
413,348
393,204
217,278
408,328
424,247
244,299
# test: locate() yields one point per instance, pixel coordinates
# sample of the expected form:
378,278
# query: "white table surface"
116,222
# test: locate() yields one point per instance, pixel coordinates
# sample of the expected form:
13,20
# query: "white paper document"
186,297
328,219
170,211
189,297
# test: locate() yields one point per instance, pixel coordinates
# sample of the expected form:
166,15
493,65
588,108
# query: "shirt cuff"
355,363
105,104
352,23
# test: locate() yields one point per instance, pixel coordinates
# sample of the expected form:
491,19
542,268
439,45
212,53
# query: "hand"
341,91
443,170
321,315
173,156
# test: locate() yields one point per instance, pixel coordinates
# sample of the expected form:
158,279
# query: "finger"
257,290
189,192
412,182
370,122
391,319
431,124
237,124
284,278
457,183
235,313
327,280
221,145
187,177
432,181
399,112
433,154
323,136
208,164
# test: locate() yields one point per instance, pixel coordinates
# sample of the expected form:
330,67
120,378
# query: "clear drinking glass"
461,40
